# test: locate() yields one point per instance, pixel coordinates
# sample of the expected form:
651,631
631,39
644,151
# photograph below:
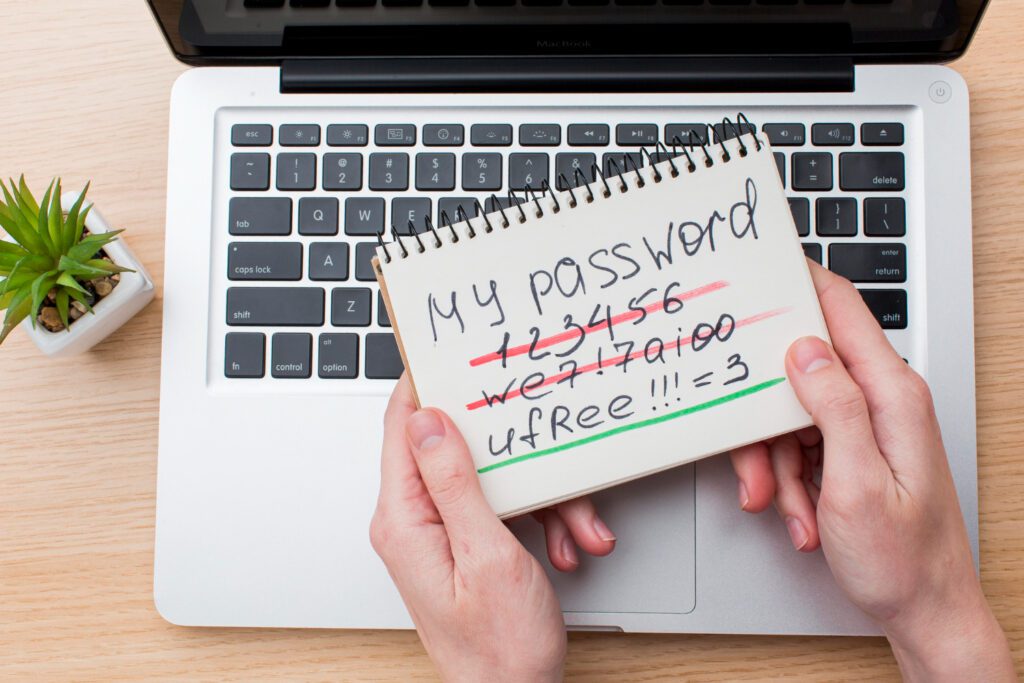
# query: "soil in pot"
96,290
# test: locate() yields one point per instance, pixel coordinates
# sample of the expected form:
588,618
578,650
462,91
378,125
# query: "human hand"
483,606
886,513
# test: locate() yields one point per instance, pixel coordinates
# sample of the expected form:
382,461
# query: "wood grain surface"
84,93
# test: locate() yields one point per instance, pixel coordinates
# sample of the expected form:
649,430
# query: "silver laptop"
309,127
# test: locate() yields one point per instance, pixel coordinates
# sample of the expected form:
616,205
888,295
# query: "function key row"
291,355
550,134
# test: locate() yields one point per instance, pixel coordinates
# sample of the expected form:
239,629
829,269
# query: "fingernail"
424,429
569,551
797,532
602,530
811,354
744,498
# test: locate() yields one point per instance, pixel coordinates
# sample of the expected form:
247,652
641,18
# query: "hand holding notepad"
588,337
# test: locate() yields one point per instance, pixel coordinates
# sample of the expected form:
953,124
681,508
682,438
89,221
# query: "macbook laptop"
309,127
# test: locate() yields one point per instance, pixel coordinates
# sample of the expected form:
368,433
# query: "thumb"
837,406
450,477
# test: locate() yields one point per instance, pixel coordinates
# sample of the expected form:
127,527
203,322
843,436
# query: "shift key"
275,306
869,262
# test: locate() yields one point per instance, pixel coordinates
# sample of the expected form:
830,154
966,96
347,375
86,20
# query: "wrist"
957,639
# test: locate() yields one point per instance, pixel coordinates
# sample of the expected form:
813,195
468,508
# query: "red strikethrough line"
611,362
616,319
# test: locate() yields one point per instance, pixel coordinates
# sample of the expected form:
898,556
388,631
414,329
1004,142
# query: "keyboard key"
444,135
636,134
812,171
291,355
832,134
540,134
394,134
491,134
364,216
382,311
299,135
785,134
588,134
836,217
243,354
813,251
252,135
328,261
365,251
405,209
724,132
284,306
869,262
502,204
889,307
481,171
614,163
566,165
881,134
260,216
435,171
318,216
250,171
780,164
264,261
296,171
350,306
338,356
343,171
347,135
885,217
389,171
872,171
527,170
449,206
683,132
383,361
800,207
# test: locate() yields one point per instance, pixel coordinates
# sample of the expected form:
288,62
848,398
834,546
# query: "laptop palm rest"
654,520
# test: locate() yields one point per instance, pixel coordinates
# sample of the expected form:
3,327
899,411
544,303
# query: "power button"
940,92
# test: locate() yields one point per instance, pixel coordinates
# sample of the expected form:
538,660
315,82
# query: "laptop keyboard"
306,202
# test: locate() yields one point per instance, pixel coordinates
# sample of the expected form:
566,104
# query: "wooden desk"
85,94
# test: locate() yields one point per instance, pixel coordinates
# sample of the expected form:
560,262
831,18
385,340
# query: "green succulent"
49,253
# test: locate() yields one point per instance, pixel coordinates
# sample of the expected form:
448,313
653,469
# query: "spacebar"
275,306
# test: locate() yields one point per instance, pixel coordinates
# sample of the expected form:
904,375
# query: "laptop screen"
232,31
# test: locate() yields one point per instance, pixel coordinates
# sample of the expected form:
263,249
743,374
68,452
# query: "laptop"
309,127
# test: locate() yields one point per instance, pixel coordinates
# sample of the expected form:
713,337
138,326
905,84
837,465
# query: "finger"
837,407
753,467
791,497
450,477
400,482
896,396
587,529
561,547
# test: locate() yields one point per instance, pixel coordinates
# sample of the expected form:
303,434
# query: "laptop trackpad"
653,567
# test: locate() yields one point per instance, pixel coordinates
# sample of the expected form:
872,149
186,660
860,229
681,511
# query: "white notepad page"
706,286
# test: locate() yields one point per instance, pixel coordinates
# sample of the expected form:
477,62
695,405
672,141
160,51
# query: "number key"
481,171
343,171
435,171
389,171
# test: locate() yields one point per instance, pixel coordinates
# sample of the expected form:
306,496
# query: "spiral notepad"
586,337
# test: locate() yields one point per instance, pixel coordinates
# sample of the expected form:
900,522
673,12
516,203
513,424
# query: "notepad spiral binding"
679,149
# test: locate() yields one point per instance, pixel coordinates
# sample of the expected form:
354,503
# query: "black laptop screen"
212,31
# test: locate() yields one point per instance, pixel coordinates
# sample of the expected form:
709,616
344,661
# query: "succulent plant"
50,252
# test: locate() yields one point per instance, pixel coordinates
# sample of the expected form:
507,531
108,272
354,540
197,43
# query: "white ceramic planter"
130,296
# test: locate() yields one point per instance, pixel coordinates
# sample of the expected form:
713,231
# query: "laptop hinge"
567,74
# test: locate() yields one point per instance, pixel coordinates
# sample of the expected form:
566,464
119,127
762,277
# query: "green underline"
637,425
